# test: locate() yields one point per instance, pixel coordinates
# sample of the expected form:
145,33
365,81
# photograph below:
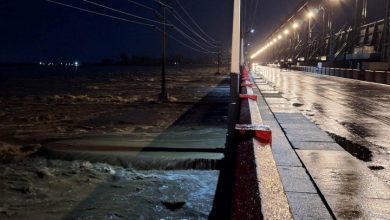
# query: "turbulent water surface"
40,105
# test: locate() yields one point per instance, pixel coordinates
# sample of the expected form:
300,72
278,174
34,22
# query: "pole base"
164,96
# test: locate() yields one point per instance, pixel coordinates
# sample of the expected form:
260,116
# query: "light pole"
243,37
310,15
295,41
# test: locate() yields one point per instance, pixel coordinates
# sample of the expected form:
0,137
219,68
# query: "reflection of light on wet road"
355,110
347,185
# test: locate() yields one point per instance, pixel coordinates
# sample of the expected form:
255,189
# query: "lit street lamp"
310,15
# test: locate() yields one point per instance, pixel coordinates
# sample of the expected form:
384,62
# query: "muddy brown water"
42,108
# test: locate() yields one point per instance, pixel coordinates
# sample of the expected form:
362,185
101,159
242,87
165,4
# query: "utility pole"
164,94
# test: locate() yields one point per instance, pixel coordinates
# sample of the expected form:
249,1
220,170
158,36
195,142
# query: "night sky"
36,30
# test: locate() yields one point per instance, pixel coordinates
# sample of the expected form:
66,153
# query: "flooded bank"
55,189
124,153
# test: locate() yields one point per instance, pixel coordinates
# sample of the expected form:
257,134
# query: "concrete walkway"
321,179
196,140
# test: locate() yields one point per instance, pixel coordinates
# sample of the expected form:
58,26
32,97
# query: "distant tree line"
124,59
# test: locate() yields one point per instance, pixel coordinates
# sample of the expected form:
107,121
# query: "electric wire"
186,25
182,43
98,13
141,5
182,21
125,13
191,39
178,17
195,42
193,21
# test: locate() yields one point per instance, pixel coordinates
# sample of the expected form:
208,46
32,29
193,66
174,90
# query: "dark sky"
36,30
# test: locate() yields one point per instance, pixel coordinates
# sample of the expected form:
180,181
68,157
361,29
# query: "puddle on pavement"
359,151
358,129
376,167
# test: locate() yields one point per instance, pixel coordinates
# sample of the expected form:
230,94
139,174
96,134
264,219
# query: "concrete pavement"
321,179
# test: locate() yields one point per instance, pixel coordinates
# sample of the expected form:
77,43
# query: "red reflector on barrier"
261,132
244,71
245,96
247,84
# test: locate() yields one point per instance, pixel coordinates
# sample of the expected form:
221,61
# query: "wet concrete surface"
355,113
347,186
196,140
303,197
350,188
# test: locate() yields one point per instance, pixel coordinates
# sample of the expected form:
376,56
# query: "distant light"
335,2
249,44
76,63
280,37
275,39
252,30
286,32
40,63
295,25
310,14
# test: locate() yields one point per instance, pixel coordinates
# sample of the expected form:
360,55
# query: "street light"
310,15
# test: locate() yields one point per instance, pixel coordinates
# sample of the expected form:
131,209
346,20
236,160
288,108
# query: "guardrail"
382,77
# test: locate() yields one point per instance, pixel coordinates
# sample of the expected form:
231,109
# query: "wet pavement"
321,179
196,140
355,113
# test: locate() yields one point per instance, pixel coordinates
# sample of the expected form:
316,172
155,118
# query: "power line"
193,21
140,23
178,17
190,38
101,14
141,5
125,13
185,24
182,43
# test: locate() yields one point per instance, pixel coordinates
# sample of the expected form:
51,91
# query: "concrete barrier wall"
382,77
387,74
256,194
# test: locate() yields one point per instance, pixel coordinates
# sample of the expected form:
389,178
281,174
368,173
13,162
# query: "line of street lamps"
294,26
310,15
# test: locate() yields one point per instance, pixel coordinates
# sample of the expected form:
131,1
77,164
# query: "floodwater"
355,113
115,112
